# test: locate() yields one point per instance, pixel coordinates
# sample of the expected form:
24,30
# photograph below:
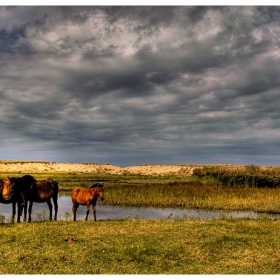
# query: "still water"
104,212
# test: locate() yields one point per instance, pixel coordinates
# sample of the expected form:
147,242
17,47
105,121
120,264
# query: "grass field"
141,247
225,246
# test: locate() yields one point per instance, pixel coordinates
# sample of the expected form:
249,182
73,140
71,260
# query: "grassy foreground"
141,247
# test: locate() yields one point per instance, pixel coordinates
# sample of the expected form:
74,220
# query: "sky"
130,85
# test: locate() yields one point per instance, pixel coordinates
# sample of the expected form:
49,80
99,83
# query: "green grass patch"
141,247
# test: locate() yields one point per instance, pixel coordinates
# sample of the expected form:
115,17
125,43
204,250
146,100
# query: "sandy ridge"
45,166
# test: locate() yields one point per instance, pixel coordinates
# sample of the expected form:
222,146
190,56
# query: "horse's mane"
28,177
96,185
14,179
21,180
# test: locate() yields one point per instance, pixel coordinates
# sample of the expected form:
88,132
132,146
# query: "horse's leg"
25,210
21,204
94,211
87,211
74,209
13,211
23,201
30,210
50,207
55,206
19,207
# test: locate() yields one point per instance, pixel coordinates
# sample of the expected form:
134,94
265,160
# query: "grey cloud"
131,85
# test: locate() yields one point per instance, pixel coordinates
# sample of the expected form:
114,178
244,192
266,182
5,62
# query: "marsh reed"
192,196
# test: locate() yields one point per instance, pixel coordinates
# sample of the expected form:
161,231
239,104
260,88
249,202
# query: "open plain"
139,246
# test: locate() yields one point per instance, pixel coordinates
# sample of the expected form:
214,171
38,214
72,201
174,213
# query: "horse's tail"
55,197
55,192
55,183
55,188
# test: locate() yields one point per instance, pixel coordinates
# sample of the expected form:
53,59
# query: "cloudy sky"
132,85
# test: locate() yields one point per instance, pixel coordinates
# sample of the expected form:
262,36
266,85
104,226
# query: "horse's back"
82,196
75,193
44,190
53,184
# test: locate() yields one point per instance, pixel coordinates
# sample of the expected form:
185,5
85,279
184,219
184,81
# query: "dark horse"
36,191
6,197
87,197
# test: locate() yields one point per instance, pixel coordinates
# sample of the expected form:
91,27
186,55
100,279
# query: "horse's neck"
94,193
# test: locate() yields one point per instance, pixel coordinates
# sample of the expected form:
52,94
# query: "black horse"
32,190
7,197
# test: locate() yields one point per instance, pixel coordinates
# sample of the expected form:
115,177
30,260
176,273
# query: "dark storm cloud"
130,85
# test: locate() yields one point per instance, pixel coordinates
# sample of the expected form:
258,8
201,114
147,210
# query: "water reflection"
104,212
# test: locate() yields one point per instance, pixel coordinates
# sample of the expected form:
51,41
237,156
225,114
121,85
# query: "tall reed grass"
241,176
194,195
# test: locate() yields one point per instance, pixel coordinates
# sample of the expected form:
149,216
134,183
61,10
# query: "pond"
105,212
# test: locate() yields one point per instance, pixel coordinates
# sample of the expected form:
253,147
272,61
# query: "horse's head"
1,185
8,188
28,178
100,191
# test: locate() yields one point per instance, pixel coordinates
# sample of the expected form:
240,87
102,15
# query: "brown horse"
6,197
87,197
36,191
